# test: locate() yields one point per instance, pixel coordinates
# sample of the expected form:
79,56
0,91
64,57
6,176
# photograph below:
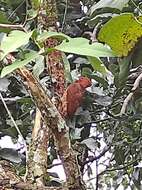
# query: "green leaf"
122,33
13,41
97,19
39,66
31,14
81,46
35,4
18,63
109,3
46,35
86,71
67,69
98,65
100,80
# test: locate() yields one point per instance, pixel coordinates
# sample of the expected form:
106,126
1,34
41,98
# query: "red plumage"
73,96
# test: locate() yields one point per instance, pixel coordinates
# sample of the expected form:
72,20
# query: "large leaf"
81,46
100,79
109,3
122,33
18,63
13,41
98,65
102,17
50,34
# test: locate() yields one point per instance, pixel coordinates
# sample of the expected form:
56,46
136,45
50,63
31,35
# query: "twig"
113,169
97,176
53,165
97,121
93,35
16,9
136,6
119,168
12,119
13,26
129,97
115,118
65,14
92,159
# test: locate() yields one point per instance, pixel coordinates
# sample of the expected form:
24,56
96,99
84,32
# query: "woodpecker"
73,97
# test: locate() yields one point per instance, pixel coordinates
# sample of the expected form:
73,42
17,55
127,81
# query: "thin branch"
16,9
113,169
65,14
119,168
12,119
29,186
136,6
93,34
97,176
13,26
92,159
97,121
130,96
53,165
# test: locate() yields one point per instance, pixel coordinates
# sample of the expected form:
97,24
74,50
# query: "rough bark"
37,156
54,58
10,181
57,125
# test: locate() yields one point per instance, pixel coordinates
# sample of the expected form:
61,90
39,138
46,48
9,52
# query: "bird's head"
84,82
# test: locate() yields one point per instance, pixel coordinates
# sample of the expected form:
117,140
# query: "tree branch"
113,169
92,159
129,97
13,26
57,125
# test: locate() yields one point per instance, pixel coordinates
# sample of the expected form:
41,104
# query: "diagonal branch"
54,122
130,96
92,159
12,119
13,26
